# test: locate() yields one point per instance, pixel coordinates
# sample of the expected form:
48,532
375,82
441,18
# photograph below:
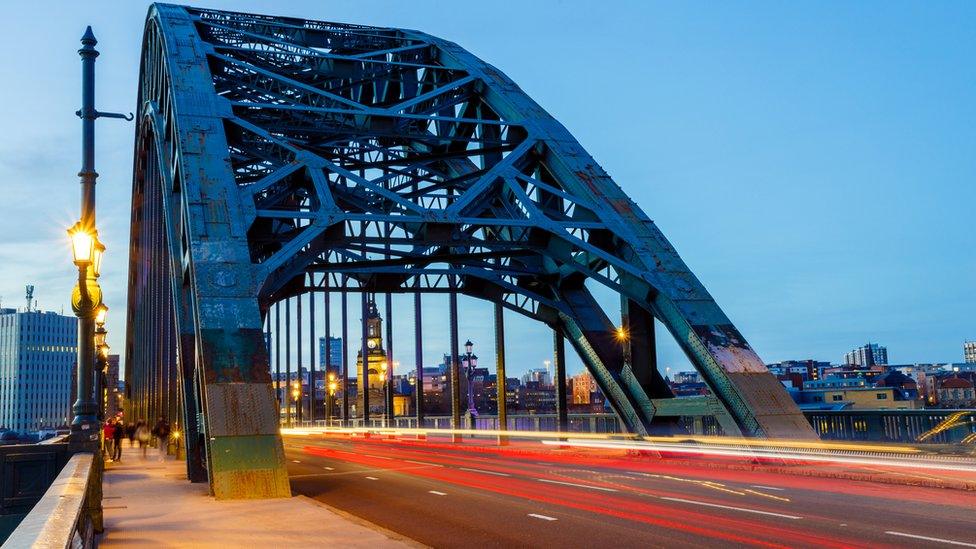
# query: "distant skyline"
812,163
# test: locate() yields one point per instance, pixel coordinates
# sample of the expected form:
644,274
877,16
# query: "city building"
854,397
537,375
112,397
868,355
687,377
38,351
956,392
335,354
536,397
582,388
375,360
808,369
969,352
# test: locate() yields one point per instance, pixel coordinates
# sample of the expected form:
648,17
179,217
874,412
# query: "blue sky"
813,163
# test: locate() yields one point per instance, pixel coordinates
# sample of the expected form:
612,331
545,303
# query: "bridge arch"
278,156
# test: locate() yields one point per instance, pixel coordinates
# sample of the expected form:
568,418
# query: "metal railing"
578,423
904,426
69,512
896,426
26,472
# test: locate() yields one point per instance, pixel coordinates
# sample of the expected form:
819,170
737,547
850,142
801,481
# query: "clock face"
371,344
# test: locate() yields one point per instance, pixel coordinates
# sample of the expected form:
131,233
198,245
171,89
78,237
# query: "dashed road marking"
601,488
927,538
485,472
769,487
295,461
377,457
543,517
372,478
329,468
423,463
730,507
436,493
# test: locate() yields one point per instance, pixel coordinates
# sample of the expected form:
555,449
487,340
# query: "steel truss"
276,156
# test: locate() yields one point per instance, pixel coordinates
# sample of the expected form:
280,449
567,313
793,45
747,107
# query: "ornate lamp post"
469,370
384,370
390,392
296,392
87,252
101,348
331,390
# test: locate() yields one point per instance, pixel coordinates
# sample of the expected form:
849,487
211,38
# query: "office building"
868,355
969,352
335,354
38,351
537,375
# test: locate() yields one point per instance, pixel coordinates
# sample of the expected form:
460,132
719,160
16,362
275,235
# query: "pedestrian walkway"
149,503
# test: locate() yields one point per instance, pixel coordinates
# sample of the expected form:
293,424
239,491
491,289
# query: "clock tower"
376,358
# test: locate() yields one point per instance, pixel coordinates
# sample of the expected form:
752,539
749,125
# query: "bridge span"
283,161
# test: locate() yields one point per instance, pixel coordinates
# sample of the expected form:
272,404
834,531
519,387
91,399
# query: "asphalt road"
467,495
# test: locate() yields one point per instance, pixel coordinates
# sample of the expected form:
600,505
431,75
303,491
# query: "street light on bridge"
296,393
100,313
333,386
87,253
469,371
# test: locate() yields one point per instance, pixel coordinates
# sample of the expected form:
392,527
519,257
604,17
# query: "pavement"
463,495
149,503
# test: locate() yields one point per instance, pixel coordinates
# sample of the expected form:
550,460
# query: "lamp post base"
84,435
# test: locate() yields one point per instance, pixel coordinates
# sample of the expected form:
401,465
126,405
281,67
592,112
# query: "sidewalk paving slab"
149,503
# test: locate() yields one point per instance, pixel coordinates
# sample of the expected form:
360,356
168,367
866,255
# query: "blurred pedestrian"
161,432
117,436
130,432
108,439
142,436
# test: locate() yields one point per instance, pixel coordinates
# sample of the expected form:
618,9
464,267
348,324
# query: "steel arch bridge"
278,156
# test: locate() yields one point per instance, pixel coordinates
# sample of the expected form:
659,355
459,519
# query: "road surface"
468,495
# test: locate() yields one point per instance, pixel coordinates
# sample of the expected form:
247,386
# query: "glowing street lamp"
82,245
97,252
100,312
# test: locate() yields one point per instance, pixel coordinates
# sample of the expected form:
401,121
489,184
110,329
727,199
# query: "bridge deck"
151,504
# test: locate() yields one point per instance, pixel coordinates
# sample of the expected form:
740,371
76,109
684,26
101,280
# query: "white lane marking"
329,468
436,493
423,463
295,461
485,472
743,509
926,538
543,517
769,487
372,478
377,457
577,485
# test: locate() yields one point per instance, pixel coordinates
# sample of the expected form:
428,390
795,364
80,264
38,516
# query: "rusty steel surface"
287,156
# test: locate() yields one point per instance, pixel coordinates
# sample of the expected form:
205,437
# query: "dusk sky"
813,164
